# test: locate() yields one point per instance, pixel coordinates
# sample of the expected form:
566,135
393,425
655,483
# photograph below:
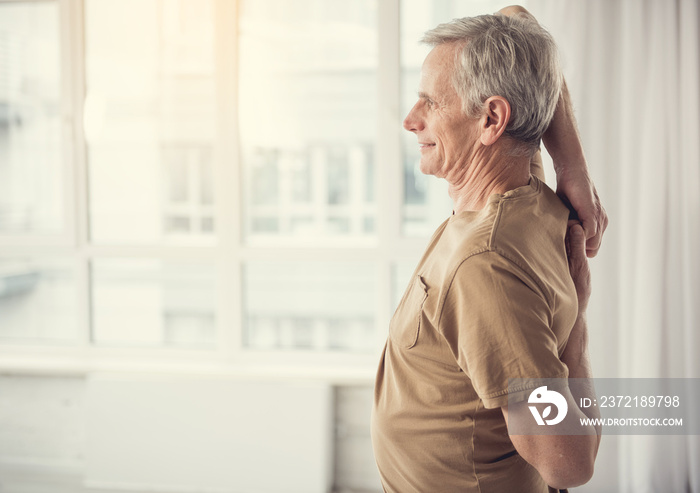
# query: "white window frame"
230,252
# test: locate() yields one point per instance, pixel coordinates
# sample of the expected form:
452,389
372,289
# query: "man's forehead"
442,50
437,70
441,56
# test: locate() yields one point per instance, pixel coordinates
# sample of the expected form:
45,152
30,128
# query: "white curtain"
633,67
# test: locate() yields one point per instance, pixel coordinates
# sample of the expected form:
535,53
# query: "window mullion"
389,180
73,65
227,184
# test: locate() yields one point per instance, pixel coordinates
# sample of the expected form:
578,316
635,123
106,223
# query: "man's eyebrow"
424,95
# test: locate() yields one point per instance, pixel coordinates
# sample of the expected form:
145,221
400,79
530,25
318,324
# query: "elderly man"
494,297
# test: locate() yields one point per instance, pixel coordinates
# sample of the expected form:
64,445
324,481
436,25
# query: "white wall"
92,429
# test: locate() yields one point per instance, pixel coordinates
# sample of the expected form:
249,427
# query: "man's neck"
485,176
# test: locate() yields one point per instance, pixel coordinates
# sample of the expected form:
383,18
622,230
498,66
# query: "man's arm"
566,461
563,143
574,184
575,355
563,461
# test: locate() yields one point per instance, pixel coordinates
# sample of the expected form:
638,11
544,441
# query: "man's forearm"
575,355
576,358
562,139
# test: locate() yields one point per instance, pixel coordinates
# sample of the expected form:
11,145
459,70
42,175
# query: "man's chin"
426,168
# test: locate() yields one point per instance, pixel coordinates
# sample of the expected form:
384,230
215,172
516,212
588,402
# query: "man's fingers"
577,239
577,245
590,226
593,245
580,196
593,241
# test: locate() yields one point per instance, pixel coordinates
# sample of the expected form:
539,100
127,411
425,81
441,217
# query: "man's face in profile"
446,135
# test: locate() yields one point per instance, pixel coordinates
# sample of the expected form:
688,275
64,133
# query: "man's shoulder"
516,222
531,228
522,233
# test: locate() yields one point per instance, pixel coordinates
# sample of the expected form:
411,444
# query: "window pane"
31,167
150,120
144,302
38,300
309,305
426,203
308,116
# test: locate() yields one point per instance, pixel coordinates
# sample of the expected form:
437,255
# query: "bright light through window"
310,306
150,120
38,300
307,95
149,302
32,170
165,91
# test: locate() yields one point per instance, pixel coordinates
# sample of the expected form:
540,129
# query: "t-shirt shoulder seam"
499,212
494,226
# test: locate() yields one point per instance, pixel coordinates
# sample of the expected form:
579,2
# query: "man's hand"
578,264
575,187
516,10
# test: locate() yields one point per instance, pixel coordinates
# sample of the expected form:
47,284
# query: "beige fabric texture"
491,299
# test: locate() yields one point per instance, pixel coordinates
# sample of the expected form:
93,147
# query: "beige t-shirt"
491,299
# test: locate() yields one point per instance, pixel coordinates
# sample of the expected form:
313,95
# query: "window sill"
354,370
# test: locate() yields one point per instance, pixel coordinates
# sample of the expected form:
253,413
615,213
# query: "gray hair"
512,57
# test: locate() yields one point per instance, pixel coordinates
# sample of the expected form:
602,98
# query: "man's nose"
412,122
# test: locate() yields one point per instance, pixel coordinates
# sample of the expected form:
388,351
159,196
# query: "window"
308,106
211,180
32,173
188,195
38,300
151,114
310,305
146,302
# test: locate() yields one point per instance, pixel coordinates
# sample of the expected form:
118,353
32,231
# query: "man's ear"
494,120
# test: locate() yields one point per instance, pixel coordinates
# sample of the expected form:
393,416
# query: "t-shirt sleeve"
497,323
